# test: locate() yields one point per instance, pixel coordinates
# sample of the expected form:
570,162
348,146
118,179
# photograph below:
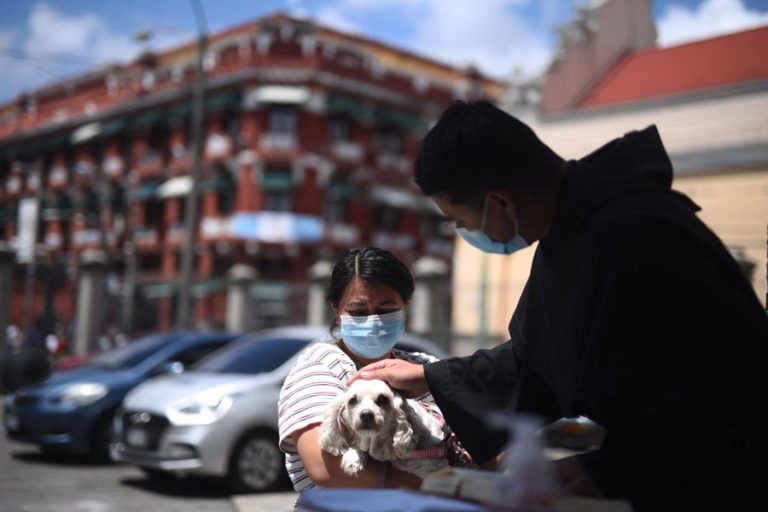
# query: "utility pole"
183,313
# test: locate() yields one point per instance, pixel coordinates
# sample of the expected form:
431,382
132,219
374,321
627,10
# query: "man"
634,315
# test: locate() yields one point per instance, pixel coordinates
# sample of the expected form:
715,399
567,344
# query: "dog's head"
369,407
369,413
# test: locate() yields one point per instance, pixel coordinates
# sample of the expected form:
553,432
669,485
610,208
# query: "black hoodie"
636,316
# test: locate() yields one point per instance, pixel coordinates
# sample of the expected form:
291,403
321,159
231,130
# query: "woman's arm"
325,469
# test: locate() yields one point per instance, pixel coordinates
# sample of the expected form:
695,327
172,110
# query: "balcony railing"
342,234
175,235
278,142
146,238
394,241
347,151
388,161
218,147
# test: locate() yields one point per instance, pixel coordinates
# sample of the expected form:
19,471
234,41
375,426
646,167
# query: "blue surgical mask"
477,237
373,336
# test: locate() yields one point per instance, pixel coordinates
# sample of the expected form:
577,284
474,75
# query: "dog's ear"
403,441
334,431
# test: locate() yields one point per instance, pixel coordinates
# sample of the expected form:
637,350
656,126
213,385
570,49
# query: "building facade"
709,100
309,140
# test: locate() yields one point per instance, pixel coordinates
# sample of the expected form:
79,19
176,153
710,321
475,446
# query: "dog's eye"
352,401
382,401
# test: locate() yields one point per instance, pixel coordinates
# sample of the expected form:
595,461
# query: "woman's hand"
401,375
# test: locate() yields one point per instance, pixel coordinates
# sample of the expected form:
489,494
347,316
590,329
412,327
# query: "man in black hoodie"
634,315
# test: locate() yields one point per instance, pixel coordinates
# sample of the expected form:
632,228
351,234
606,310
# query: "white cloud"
486,33
679,24
86,36
54,45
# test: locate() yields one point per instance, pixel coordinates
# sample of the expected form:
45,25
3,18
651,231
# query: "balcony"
397,162
146,239
394,241
85,238
342,234
440,247
175,235
53,241
278,142
347,151
218,147
150,165
215,228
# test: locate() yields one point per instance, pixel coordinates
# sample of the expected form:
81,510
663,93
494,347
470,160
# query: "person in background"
634,315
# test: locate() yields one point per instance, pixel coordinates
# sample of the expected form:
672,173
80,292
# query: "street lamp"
183,316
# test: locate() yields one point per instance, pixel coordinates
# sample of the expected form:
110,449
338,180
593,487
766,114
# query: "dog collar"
435,452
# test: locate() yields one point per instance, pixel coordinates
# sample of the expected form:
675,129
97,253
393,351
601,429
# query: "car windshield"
133,353
251,356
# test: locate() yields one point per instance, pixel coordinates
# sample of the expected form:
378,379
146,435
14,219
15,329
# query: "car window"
192,355
133,353
252,356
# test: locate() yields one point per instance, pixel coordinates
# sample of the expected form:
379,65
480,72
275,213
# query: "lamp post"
183,317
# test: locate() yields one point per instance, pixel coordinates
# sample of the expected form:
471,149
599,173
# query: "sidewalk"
269,502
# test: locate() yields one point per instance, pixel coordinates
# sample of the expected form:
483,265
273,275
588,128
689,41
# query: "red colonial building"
309,140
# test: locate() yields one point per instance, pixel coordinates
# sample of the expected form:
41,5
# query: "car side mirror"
169,368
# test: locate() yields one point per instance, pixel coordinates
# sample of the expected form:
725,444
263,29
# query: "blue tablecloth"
379,500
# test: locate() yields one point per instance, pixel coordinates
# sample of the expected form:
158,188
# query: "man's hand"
401,375
574,479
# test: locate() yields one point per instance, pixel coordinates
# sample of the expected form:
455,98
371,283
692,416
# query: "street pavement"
33,482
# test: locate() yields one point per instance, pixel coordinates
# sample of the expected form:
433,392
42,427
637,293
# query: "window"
386,218
278,200
339,128
252,357
192,355
389,139
336,210
282,119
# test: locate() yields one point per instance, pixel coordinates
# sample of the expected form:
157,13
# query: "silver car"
220,418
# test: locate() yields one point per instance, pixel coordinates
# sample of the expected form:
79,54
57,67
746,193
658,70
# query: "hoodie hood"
633,164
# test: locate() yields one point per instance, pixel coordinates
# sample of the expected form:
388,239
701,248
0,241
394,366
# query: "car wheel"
101,438
257,464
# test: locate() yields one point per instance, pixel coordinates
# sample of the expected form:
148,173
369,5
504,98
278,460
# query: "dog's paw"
352,462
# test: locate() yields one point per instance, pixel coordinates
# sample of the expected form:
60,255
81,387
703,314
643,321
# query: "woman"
369,293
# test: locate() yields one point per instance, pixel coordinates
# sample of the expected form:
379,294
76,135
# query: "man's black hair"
371,264
475,147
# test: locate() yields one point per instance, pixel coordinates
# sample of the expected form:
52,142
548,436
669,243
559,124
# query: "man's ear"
505,200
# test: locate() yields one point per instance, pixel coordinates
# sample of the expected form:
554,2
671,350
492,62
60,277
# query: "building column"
429,308
318,312
7,262
241,308
90,301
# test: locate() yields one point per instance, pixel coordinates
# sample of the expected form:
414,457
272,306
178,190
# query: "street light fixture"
183,317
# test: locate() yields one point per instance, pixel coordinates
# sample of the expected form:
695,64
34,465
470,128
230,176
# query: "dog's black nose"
366,416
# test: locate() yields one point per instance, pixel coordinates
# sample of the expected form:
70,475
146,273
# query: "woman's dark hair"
372,264
475,147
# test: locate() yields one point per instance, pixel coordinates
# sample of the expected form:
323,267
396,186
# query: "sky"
45,41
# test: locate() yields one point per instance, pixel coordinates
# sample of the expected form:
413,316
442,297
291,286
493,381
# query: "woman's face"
364,298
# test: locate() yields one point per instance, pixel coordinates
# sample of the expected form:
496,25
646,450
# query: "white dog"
370,420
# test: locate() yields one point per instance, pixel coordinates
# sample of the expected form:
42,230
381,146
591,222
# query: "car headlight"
82,394
201,410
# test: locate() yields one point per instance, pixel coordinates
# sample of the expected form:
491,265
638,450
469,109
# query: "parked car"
72,410
220,418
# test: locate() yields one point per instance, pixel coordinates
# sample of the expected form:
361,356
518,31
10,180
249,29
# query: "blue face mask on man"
373,336
477,237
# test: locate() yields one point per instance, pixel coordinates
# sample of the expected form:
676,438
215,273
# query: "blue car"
72,410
